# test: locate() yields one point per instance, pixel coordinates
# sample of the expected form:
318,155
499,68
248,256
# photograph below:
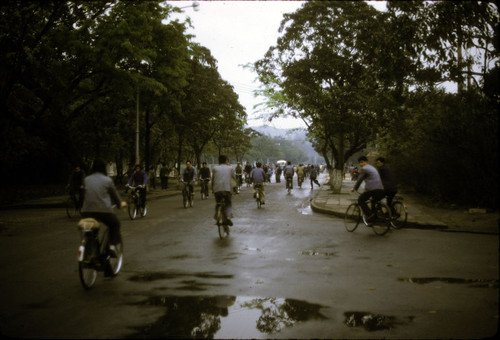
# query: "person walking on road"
313,175
373,186
288,172
76,186
388,180
222,176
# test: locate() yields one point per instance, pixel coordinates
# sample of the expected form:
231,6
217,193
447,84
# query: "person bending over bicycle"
188,176
258,177
205,177
221,186
100,194
373,187
390,186
140,179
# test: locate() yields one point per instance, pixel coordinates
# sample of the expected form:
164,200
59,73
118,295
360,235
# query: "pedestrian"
278,173
373,187
76,186
313,174
388,180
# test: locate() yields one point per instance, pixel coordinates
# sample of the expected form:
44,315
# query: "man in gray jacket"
222,187
373,186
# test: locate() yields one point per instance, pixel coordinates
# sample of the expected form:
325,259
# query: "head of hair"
289,163
362,159
99,166
381,159
259,164
222,159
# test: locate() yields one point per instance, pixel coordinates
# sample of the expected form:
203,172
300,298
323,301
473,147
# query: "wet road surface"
284,272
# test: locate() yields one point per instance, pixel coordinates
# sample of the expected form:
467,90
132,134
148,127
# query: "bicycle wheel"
184,200
86,268
352,217
400,215
383,222
144,210
222,228
115,261
191,200
132,208
70,208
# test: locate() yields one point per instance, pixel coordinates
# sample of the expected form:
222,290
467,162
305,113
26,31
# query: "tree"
321,70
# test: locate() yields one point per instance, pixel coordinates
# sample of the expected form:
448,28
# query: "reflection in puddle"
224,316
479,283
369,321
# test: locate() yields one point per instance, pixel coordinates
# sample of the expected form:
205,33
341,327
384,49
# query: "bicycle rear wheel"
132,208
222,227
383,223
400,215
352,217
86,267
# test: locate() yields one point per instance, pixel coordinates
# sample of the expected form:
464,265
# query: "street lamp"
196,8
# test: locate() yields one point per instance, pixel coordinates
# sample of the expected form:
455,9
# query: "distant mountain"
289,134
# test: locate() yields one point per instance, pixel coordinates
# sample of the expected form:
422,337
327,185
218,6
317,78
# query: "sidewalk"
419,215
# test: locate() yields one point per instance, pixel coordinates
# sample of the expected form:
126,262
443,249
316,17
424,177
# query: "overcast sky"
237,33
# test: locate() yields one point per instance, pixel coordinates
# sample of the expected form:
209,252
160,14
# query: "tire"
144,210
221,226
115,262
191,201
384,220
352,217
70,208
132,209
86,268
400,217
184,200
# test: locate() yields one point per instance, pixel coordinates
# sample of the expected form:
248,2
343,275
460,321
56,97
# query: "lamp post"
196,8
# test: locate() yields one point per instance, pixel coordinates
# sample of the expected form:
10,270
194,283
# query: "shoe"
112,250
262,203
229,222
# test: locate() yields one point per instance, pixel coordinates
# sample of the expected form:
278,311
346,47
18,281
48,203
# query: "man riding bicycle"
388,180
373,187
76,187
188,176
204,177
139,179
258,177
238,170
100,193
221,186
288,172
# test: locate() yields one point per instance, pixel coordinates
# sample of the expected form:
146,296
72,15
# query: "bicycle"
204,188
134,203
187,196
221,218
239,181
289,184
382,221
400,213
94,254
71,207
248,180
258,194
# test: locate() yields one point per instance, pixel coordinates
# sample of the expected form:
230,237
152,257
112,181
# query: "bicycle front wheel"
352,217
70,208
384,220
144,210
116,260
132,209
400,215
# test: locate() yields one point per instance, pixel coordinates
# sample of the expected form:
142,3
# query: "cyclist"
313,175
373,186
204,177
390,186
100,193
75,186
288,172
248,170
239,175
222,175
139,179
258,177
189,176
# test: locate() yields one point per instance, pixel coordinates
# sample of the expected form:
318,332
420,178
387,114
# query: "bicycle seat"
88,224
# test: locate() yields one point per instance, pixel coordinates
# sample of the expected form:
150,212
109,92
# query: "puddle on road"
372,322
224,316
477,283
319,252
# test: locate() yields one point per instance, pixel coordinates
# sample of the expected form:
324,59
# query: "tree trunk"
336,178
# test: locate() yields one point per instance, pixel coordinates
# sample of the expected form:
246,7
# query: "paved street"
286,271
